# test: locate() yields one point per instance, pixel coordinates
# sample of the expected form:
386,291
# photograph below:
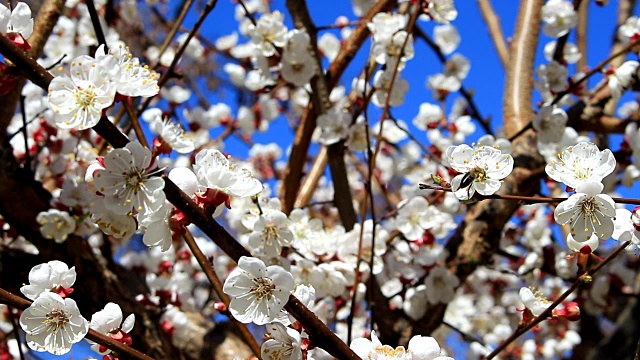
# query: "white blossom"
623,77
17,20
53,324
130,77
108,321
269,32
382,84
534,302
127,181
259,292
271,233
54,276
56,224
420,348
550,123
480,170
587,212
559,17
283,343
442,11
78,101
441,285
581,164
446,37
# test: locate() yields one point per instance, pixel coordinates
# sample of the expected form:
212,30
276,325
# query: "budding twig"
584,278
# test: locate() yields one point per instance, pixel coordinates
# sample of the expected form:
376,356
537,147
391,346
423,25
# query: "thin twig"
16,332
97,28
526,199
302,139
320,100
207,268
211,4
135,122
574,85
363,211
558,53
581,34
338,26
587,277
27,155
475,112
173,30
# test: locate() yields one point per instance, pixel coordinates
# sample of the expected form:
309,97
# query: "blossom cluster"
402,253
53,322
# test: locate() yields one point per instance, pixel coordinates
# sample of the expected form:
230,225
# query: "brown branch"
207,268
44,23
519,85
302,140
313,176
122,349
581,34
599,96
320,100
527,199
545,314
495,30
135,122
173,30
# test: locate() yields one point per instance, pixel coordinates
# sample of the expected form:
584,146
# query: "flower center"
271,234
55,320
589,207
134,180
582,172
390,353
477,173
85,97
439,282
297,67
263,287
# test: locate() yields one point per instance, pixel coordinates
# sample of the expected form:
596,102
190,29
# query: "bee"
475,174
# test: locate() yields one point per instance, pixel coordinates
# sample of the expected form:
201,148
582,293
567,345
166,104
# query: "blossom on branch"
128,182
17,20
108,321
587,212
78,101
581,164
283,343
56,224
480,170
420,348
54,276
259,292
53,324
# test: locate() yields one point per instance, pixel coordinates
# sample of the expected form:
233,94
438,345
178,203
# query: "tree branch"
302,140
517,110
495,30
320,100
